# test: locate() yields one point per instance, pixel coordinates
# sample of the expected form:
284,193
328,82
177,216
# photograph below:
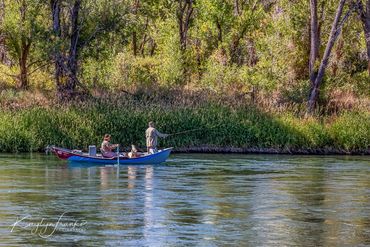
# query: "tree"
134,11
20,28
75,26
247,17
364,13
184,15
3,53
65,62
315,42
214,21
142,20
335,32
230,26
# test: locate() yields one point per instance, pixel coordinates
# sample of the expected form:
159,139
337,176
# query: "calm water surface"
193,200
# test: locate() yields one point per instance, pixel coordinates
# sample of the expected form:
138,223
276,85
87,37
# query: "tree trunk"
315,43
60,70
235,54
184,16
367,33
367,36
25,44
134,35
2,11
235,51
334,33
365,18
198,58
252,53
145,39
219,28
23,76
73,50
66,66
55,11
337,56
153,45
3,54
142,45
236,7
134,43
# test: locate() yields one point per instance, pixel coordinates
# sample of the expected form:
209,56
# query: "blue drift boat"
143,158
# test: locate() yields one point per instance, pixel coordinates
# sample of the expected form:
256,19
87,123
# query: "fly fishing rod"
184,132
193,130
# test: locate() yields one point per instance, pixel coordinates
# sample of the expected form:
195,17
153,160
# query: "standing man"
152,135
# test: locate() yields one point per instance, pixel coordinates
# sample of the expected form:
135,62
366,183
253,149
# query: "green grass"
32,129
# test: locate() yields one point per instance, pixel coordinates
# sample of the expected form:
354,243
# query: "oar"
117,154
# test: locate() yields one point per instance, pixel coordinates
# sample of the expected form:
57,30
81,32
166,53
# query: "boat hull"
66,154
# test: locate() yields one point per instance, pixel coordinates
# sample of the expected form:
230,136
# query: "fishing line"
193,130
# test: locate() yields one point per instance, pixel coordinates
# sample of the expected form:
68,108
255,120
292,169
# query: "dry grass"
338,101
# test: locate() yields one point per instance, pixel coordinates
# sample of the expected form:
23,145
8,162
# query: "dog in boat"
134,153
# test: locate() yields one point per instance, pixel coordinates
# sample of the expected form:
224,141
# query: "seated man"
107,148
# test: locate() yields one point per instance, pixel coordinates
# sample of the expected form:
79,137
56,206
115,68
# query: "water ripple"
201,200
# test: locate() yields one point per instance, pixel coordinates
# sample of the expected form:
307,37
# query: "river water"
192,200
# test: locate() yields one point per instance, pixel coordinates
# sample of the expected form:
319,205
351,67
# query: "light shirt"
106,146
152,135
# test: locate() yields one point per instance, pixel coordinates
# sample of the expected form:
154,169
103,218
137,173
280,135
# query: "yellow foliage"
8,77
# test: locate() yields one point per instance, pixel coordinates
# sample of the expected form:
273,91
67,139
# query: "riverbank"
222,128
235,150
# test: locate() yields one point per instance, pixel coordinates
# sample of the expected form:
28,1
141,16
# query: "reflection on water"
205,200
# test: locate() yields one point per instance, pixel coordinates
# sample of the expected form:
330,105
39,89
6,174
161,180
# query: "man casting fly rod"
152,135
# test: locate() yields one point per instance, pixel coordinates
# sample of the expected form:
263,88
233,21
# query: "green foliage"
23,25
98,74
230,44
220,77
135,71
351,131
6,78
170,60
165,68
19,25
79,126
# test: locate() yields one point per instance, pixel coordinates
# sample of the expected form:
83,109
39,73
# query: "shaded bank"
222,128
